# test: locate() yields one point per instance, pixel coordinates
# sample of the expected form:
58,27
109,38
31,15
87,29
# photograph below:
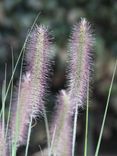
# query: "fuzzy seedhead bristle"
21,111
3,144
62,125
80,60
28,102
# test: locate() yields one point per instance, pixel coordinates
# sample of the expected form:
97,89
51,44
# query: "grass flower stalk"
3,144
28,96
81,44
62,127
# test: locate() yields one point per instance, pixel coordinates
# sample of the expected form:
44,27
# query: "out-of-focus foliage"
16,17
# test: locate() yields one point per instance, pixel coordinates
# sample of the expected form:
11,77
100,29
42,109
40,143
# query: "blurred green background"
17,16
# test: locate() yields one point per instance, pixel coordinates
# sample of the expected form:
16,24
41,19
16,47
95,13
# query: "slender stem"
3,101
11,93
47,128
74,130
106,109
17,111
87,118
52,142
20,56
28,139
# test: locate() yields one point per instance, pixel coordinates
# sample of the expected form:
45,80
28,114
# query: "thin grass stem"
52,142
3,102
106,110
28,139
11,93
47,128
74,130
86,125
20,56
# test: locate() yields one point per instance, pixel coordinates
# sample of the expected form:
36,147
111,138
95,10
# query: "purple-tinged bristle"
21,110
3,142
28,100
37,56
62,126
80,61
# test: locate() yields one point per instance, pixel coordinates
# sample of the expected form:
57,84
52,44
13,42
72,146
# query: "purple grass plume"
3,143
80,62
61,128
28,96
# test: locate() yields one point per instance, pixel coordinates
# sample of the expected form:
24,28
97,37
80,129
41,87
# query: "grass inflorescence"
27,97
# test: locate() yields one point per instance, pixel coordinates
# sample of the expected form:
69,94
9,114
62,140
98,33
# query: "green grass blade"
23,47
21,56
105,113
86,125
3,101
11,93
17,113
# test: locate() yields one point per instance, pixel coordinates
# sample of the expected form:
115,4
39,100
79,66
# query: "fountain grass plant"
27,98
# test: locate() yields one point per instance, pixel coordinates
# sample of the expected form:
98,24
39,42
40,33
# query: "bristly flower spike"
62,127
3,142
28,102
38,64
80,62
